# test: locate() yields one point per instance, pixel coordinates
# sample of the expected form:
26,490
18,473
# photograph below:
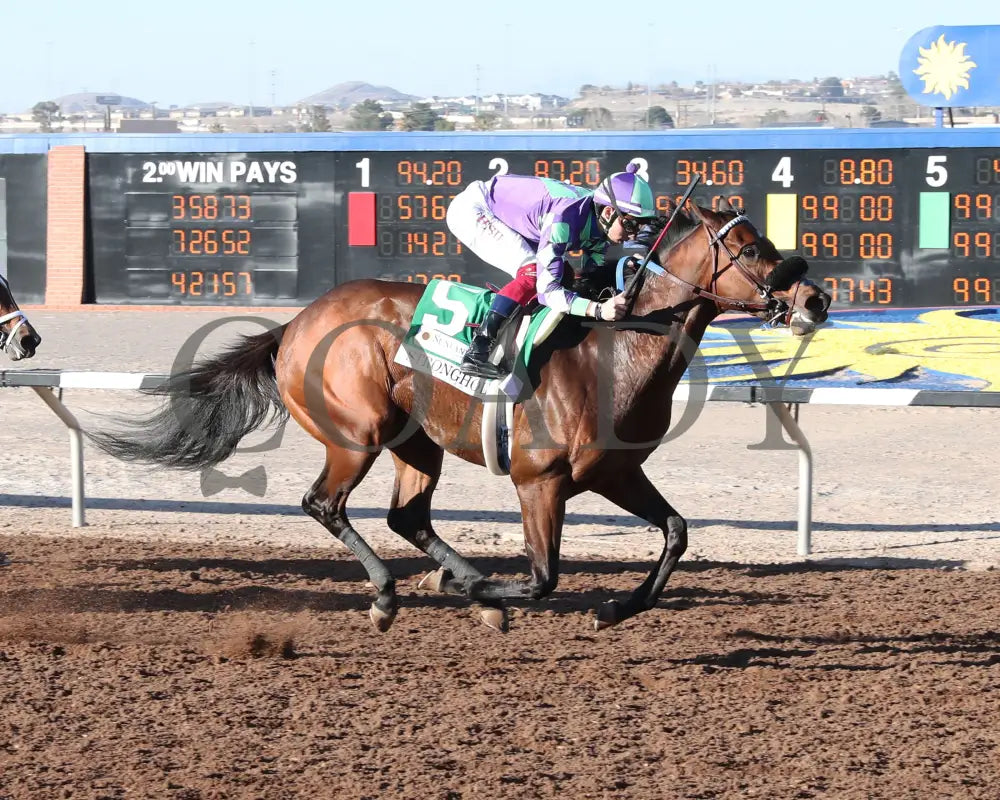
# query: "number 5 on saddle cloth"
440,332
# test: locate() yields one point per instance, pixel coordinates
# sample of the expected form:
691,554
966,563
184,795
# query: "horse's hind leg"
326,502
418,467
633,492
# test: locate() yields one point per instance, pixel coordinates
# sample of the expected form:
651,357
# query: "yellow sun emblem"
944,67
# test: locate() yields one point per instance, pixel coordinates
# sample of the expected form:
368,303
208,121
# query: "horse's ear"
696,212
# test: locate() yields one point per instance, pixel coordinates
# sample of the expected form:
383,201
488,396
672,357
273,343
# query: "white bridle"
7,337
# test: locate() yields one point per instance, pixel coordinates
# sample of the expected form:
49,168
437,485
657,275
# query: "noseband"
6,337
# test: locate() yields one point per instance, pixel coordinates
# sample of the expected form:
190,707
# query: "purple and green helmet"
627,193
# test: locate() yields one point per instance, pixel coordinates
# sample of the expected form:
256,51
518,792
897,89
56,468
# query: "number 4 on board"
783,172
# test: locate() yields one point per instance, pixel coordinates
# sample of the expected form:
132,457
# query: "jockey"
526,225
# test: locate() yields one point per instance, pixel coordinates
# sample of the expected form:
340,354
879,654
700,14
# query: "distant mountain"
344,95
87,101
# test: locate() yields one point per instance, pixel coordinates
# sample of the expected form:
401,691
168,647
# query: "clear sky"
181,52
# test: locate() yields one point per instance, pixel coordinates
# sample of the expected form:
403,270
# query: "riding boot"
476,360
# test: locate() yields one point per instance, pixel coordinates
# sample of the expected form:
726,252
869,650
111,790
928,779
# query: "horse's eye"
751,251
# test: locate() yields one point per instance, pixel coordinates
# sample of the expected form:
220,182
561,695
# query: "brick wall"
65,247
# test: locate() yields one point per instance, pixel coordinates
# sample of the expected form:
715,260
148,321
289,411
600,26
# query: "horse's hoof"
382,620
495,618
434,581
607,615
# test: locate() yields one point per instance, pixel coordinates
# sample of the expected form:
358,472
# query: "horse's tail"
210,408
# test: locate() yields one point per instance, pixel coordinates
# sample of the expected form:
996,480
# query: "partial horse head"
741,270
17,337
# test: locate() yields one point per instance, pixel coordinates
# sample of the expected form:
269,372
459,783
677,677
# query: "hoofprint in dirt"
157,669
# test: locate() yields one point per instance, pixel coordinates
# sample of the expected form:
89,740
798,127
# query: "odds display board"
882,224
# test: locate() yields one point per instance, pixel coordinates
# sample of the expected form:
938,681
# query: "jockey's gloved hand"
612,309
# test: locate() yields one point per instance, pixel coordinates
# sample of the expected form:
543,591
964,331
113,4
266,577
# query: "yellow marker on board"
781,220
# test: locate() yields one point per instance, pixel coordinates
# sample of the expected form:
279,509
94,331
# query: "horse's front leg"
633,492
543,509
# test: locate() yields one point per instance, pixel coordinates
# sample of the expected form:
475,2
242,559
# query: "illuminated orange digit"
981,286
404,204
228,284
194,206
735,173
832,285
683,172
961,241
847,171
866,245
180,242
593,176
719,172
437,173
197,281
963,206
211,206
867,208
884,296
884,208
867,171
830,244
215,283
663,203
439,207
883,245
560,167
228,242
866,290
810,207
420,172
249,281
850,289
541,168
404,172
243,245
884,168
195,243
810,243
983,243
984,206
211,242
961,288
179,281
440,242
178,206
454,173
831,207
243,209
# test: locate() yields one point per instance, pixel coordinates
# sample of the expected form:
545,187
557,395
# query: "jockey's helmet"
628,195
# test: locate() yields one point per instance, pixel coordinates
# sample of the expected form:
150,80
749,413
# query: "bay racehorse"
17,338
600,406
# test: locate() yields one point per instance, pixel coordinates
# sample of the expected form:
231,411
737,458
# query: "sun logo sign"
944,67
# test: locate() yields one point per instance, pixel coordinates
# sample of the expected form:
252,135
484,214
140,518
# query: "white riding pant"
472,222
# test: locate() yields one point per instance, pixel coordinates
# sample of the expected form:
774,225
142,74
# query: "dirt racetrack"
198,642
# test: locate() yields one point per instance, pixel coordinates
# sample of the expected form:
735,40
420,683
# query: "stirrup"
481,369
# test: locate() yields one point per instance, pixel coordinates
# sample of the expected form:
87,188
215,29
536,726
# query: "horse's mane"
679,229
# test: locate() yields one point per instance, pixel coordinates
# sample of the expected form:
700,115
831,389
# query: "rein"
777,309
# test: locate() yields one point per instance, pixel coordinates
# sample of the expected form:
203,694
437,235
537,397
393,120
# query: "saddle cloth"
440,332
